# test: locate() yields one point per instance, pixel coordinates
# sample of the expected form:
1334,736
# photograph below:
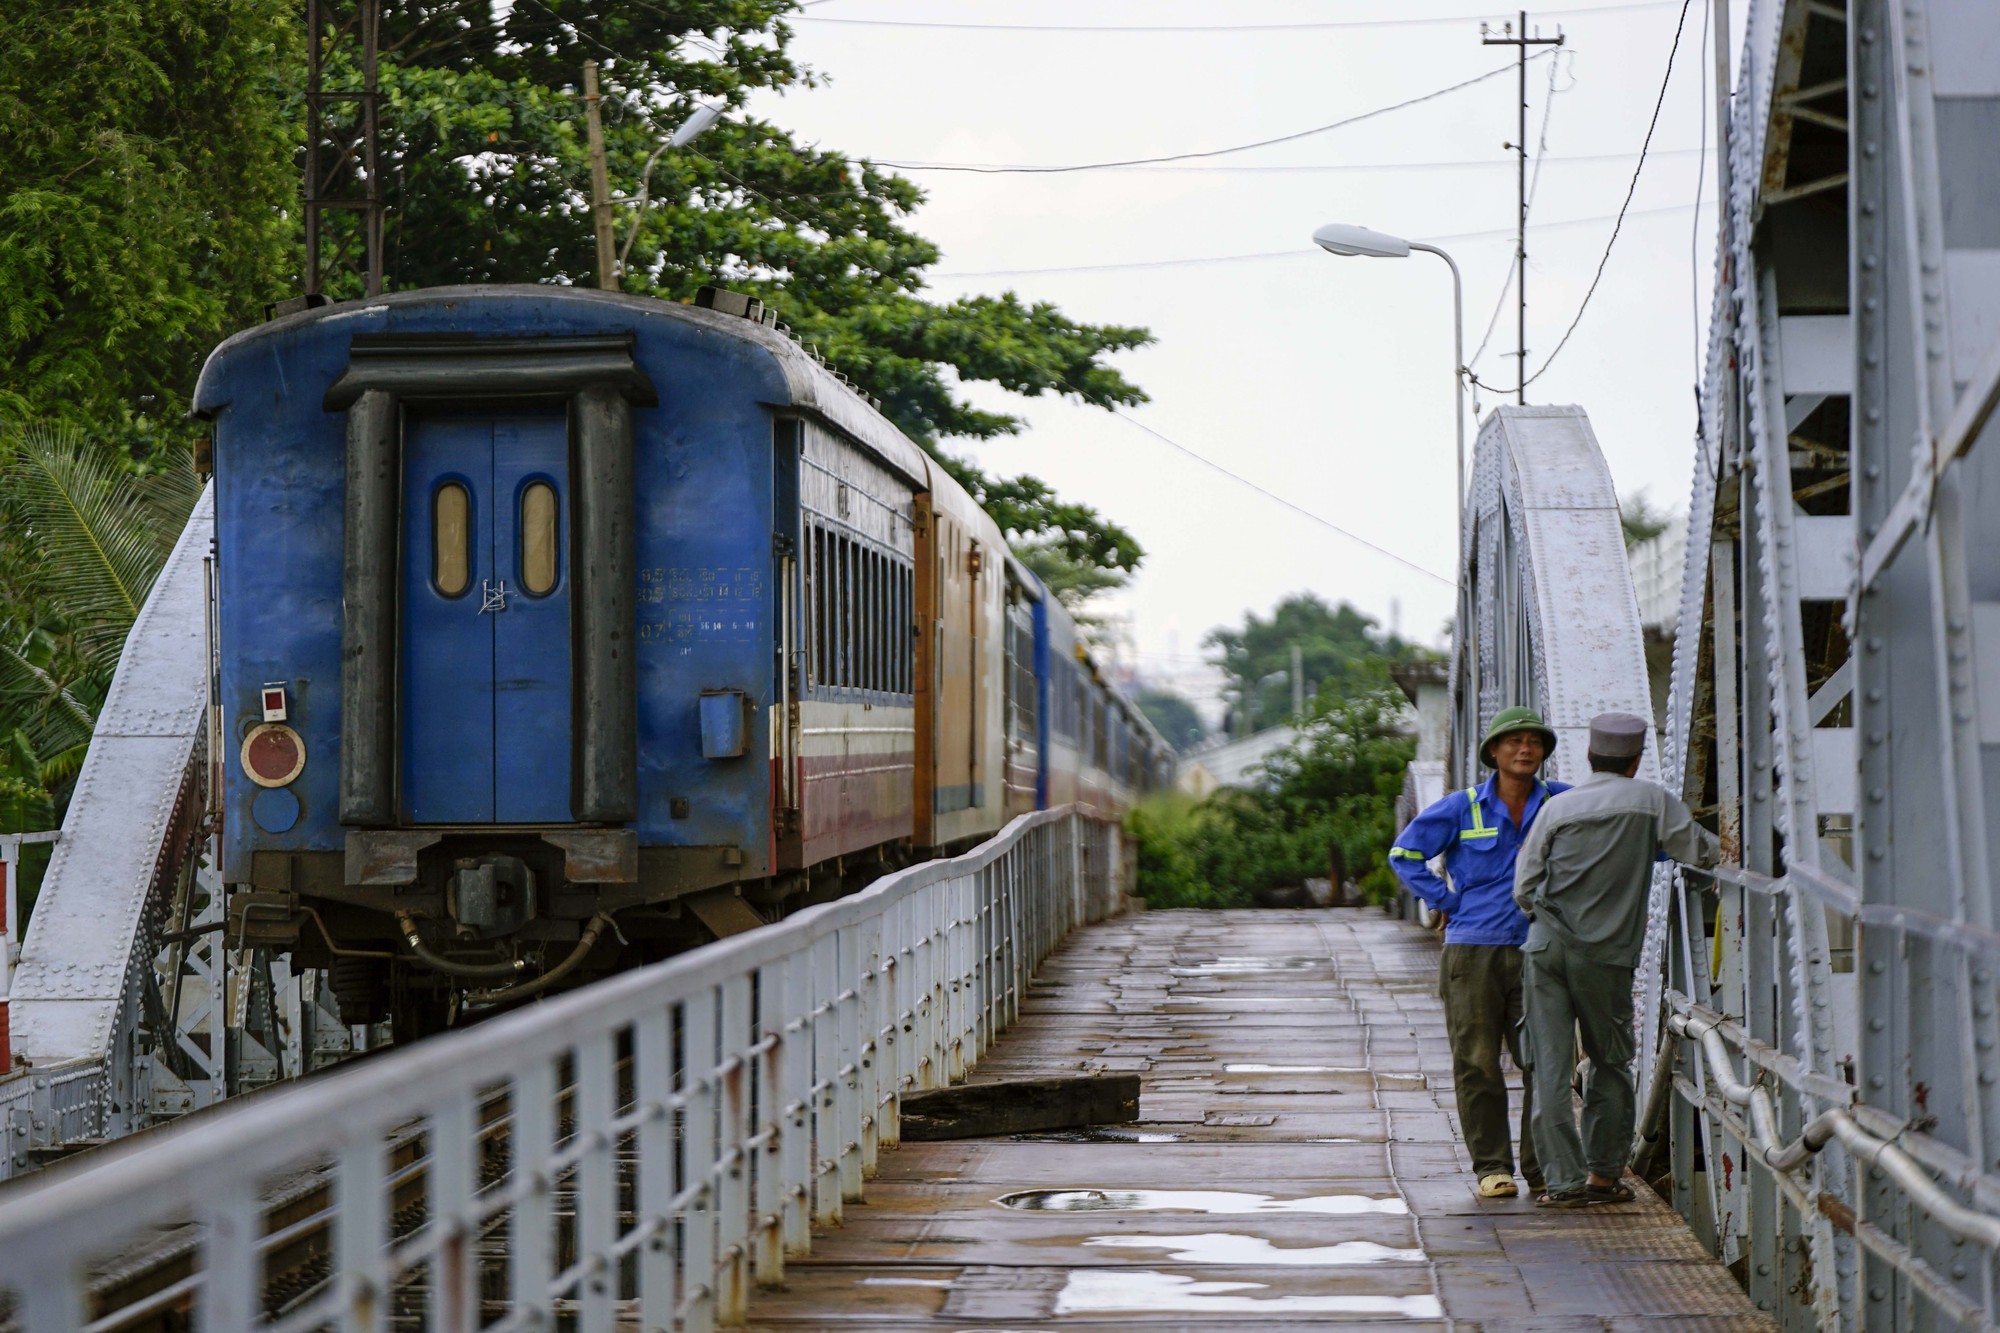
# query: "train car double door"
486,673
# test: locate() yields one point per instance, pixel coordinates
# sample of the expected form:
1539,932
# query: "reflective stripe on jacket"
1478,840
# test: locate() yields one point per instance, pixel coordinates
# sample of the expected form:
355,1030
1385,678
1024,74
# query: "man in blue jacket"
1478,831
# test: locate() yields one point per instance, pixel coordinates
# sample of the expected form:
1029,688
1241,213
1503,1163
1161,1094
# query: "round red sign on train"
273,754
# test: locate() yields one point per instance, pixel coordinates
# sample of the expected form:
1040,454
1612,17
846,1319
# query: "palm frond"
98,543
40,708
169,496
61,768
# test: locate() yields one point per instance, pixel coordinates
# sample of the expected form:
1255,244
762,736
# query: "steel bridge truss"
1824,1084
126,1010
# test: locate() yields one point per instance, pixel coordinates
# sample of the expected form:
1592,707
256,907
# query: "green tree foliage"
1173,716
81,542
143,202
484,144
150,206
1640,521
1339,647
1327,799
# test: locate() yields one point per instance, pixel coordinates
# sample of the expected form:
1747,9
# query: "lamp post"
704,115
1341,238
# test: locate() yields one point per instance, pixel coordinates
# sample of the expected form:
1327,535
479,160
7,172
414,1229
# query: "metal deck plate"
1237,1215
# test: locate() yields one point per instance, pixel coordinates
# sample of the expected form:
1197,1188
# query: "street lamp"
704,115
1344,239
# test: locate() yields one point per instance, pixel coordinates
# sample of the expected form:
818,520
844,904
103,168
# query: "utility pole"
1298,682
1521,40
340,150
600,185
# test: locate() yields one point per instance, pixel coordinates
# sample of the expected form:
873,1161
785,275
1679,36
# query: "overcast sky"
1326,381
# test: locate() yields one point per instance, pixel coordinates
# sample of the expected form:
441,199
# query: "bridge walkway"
1298,1163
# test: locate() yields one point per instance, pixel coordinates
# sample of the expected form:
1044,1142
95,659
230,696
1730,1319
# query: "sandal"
1576,1198
1616,1192
1496,1185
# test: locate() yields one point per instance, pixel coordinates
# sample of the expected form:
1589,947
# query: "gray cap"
1618,735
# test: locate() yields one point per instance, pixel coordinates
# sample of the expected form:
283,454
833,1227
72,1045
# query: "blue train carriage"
1098,749
539,605
1023,777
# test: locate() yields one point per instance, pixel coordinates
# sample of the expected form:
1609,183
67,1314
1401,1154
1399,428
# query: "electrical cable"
1221,152
1287,254
1527,209
1631,189
1214,27
1694,232
1208,462
1306,168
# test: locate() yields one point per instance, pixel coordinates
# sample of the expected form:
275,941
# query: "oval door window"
451,539
538,538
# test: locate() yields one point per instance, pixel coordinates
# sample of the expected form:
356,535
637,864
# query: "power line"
1208,462
1295,167
1527,208
1216,152
1288,254
1630,190
1694,231
1344,24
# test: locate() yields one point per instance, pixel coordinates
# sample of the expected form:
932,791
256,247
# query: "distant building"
1656,579
1231,763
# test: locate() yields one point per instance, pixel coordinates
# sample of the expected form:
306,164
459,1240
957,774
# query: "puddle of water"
1099,1290
1097,1134
1257,999
1343,1140
1194,1201
1294,1069
1235,964
906,1281
1226,1247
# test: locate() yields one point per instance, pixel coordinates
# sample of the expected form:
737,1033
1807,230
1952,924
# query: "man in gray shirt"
1583,877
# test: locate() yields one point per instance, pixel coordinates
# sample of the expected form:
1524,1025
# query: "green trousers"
1568,997
1481,988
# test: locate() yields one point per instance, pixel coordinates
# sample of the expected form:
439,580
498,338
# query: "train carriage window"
817,580
881,624
870,622
882,617
538,538
864,666
843,611
850,605
829,608
857,630
830,614
451,539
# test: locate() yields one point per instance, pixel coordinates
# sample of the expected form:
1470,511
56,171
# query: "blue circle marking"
276,809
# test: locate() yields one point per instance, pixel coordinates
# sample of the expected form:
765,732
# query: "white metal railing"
640,1150
10,928
1929,1174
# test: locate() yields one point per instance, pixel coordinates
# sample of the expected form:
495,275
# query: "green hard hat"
1515,719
